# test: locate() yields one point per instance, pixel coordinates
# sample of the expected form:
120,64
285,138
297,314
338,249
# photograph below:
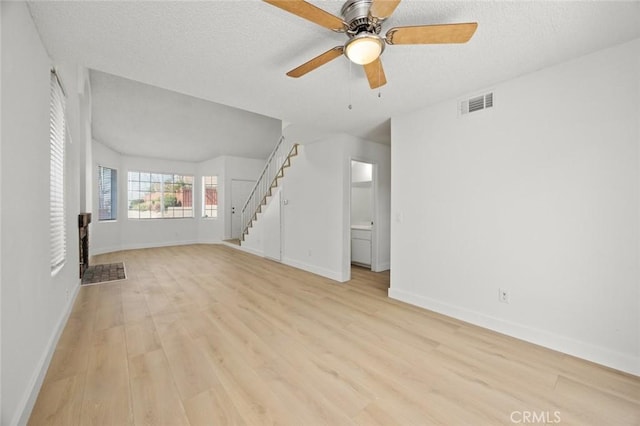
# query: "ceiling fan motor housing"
365,44
356,15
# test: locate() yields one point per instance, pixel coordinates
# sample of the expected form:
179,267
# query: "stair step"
274,184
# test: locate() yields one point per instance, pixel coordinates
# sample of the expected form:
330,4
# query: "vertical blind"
107,189
57,136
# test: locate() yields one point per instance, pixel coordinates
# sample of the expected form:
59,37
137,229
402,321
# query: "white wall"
312,218
539,196
86,169
1,134
125,234
361,172
361,193
35,305
265,237
361,204
316,217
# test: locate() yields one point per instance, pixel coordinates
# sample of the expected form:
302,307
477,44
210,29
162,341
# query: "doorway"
240,191
362,214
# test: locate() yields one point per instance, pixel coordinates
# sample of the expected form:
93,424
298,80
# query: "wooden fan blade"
382,9
375,74
309,12
432,34
316,62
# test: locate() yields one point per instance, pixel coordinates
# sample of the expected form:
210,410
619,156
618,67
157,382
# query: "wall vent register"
477,103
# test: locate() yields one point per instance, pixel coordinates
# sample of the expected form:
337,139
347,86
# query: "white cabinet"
361,246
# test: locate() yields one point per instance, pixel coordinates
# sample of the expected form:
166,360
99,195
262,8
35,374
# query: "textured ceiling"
237,52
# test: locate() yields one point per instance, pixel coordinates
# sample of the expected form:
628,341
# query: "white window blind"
57,136
107,193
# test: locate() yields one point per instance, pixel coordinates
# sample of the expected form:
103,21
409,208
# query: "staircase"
273,170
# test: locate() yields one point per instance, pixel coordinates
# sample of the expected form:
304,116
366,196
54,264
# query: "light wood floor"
209,335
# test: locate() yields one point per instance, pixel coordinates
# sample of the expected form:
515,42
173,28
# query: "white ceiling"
237,52
138,119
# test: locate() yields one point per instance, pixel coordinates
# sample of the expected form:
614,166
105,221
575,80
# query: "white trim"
209,241
95,252
249,250
28,400
105,250
383,266
597,354
157,245
333,275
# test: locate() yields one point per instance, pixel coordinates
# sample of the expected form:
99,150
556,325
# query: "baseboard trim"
597,354
244,249
333,275
31,395
381,267
103,250
142,246
336,276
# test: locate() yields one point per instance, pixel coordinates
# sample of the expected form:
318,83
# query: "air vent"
476,103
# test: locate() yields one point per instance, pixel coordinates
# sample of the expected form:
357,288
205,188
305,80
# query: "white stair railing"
268,179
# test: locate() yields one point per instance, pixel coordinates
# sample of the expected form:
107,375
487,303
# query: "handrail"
269,174
264,170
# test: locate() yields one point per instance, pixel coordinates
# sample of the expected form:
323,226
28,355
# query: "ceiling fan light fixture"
364,48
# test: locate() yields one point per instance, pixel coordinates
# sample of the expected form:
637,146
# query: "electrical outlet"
503,295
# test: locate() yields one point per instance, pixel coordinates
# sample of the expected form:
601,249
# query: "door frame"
230,208
374,215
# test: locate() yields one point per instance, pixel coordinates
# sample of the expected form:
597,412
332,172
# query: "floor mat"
97,274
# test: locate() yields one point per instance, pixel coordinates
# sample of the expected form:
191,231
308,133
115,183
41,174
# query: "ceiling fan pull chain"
379,86
349,86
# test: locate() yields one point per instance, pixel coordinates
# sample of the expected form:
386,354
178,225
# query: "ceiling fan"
362,23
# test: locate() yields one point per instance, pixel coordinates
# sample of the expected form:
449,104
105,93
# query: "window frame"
206,186
158,178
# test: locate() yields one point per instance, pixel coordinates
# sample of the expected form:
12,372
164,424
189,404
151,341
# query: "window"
209,196
159,195
57,137
107,193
